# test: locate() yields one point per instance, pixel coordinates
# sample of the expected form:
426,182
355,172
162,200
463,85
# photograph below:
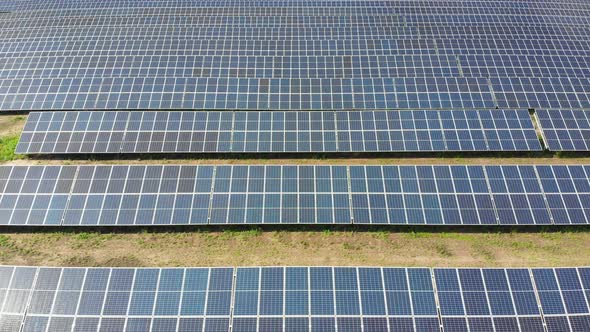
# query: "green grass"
7,147
248,234
90,239
6,242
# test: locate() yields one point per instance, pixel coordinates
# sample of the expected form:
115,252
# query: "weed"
90,239
9,246
125,261
456,236
482,251
7,147
522,245
89,261
79,261
6,242
350,246
229,234
256,231
443,250
417,235
382,235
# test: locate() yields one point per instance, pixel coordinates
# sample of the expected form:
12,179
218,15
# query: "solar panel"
293,55
334,299
421,195
541,93
565,130
287,194
487,300
237,132
294,299
566,192
563,295
34,195
16,284
280,194
93,299
142,195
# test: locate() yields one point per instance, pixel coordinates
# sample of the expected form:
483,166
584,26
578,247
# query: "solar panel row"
294,299
224,132
293,55
558,52
315,24
173,195
330,66
374,26
411,16
416,20
254,94
481,5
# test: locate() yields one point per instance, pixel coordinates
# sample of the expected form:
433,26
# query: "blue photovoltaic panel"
517,195
294,299
35,195
293,55
566,192
541,93
237,132
280,194
142,195
470,195
288,194
487,300
564,295
565,130
334,299
104,299
16,284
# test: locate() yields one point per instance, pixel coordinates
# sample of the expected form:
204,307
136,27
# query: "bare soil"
296,248
11,124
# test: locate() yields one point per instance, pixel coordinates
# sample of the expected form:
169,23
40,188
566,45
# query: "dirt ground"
311,246
11,124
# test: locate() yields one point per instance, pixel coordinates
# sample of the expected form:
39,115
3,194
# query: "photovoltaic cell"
287,194
565,130
294,299
273,132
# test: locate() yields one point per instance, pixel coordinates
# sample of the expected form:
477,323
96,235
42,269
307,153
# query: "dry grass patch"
315,248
